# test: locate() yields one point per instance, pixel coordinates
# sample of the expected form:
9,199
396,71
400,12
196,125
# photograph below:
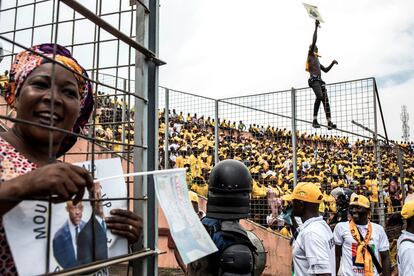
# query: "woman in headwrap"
48,94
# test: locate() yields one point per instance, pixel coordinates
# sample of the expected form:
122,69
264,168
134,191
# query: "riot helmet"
230,185
342,197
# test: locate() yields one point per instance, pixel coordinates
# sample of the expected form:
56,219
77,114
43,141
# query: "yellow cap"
306,191
359,200
193,196
408,210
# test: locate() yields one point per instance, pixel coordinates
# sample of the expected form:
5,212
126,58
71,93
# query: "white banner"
313,12
190,237
26,227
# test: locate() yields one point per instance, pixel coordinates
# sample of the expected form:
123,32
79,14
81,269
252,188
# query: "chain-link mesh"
190,136
257,130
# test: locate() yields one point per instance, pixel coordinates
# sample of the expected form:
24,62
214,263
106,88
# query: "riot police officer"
342,197
228,201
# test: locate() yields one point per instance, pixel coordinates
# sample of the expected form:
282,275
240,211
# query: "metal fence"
272,134
117,42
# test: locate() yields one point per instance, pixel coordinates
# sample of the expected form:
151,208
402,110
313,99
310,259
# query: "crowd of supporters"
113,122
328,161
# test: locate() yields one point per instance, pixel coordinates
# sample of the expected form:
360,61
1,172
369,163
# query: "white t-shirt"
342,235
405,254
313,251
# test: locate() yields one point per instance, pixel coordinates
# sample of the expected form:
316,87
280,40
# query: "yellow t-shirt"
286,232
372,185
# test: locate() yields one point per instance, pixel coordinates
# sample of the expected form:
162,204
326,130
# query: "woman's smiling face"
34,102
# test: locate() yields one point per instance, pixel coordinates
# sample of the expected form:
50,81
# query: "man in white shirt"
405,244
355,239
313,249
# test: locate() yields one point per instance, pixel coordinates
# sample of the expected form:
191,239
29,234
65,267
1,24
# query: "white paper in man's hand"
313,12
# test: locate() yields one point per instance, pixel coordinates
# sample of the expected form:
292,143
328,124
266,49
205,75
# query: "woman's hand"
60,182
125,223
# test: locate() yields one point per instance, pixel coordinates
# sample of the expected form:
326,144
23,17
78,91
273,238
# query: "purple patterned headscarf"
26,61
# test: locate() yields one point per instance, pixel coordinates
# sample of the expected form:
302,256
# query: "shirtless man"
315,81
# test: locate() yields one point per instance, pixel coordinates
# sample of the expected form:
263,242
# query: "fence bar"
124,110
377,147
152,125
166,145
140,135
113,261
216,131
294,142
110,29
401,169
380,109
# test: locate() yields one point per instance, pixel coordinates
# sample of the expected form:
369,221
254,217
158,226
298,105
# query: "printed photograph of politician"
73,242
65,239
76,228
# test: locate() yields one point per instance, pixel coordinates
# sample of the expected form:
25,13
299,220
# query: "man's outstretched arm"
315,37
327,69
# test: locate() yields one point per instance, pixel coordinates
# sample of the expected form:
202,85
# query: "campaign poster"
313,12
72,227
190,237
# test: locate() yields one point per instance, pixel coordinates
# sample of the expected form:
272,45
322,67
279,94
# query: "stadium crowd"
326,160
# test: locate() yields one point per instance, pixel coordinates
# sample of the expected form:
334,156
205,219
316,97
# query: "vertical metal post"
123,119
401,168
216,132
141,267
166,135
376,96
294,143
153,28
377,146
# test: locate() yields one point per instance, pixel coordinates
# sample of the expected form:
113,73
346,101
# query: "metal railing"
280,124
130,28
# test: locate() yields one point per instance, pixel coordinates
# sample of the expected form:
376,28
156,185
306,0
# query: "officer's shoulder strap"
230,230
233,226
235,232
212,225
